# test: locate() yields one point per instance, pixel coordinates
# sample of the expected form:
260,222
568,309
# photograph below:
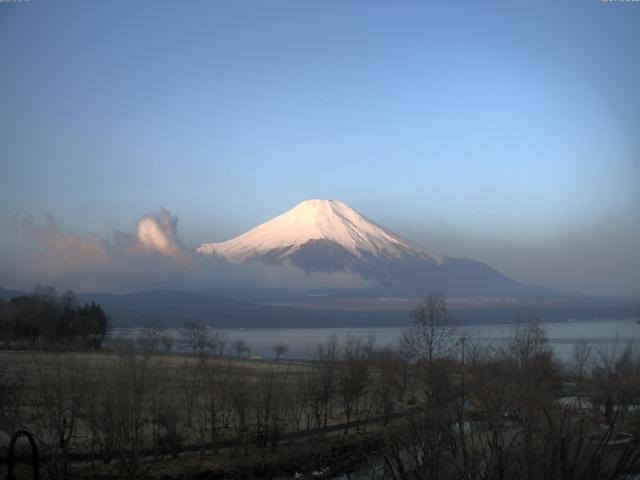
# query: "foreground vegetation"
434,406
45,319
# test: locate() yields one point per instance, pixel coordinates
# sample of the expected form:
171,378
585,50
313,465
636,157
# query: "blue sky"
507,132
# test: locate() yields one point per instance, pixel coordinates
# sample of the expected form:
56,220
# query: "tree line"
47,319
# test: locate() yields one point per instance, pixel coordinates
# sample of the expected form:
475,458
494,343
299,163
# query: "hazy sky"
507,132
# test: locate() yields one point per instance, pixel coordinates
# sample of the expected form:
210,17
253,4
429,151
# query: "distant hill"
174,308
6,294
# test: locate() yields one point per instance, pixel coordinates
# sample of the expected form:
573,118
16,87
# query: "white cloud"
152,257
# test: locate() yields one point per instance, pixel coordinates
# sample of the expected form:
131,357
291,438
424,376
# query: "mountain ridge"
329,236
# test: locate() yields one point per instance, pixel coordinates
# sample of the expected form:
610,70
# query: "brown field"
131,413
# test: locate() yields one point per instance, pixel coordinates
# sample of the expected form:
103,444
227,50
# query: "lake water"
303,342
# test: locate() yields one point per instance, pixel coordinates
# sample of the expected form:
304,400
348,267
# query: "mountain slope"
316,221
329,236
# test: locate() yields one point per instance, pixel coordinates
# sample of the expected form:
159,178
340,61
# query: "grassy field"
191,412
129,413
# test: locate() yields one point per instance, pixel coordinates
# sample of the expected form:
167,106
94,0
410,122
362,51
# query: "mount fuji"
329,236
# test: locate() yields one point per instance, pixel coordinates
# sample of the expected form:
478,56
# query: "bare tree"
270,407
300,402
579,363
354,376
167,343
217,343
191,380
195,336
280,349
432,338
240,347
616,374
499,443
323,385
151,336
216,405
406,354
57,408
387,381
241,404
534,368
131,404
433,330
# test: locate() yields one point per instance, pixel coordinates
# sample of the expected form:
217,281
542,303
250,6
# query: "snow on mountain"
328,236
314,220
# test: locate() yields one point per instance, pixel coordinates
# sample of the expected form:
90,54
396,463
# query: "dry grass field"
132,413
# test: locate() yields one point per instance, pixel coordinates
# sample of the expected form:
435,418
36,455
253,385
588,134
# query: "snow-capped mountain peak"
317,220
327,236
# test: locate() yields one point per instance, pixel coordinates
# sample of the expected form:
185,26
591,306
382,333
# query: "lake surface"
303,342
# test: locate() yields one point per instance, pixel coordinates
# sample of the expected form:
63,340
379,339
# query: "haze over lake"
602,335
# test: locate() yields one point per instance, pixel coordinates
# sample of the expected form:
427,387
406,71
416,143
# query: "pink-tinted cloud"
59,250
157,233
153,256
